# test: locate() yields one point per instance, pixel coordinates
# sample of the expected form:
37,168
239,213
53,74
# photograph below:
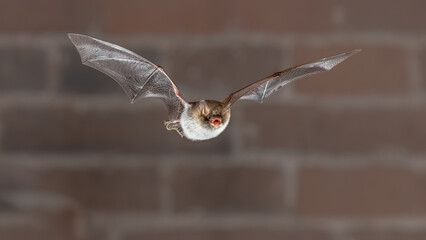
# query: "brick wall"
336,156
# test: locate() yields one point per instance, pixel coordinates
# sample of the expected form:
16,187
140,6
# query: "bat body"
196,121
204,120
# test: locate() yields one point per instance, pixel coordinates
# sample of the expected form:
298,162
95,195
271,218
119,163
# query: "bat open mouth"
215,121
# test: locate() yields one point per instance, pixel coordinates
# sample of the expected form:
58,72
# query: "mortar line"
165,189
290,171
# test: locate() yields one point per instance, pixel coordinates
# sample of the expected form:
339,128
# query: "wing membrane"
138,77
263,88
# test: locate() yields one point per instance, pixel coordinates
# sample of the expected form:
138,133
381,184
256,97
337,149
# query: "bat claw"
174,125
180,133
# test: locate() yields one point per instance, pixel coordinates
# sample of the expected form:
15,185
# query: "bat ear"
227,103
204,108
226,108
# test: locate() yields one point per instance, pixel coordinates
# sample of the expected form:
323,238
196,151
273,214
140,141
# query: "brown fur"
203,110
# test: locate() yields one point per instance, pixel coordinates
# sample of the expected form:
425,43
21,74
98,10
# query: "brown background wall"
337,156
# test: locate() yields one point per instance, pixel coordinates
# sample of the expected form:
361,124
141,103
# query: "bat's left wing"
261,89
137,76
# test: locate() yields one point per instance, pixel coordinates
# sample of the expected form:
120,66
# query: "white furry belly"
194,131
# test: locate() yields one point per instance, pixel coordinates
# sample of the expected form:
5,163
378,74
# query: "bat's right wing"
137,76
261,89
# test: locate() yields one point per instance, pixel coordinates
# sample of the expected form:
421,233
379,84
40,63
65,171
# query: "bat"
200,120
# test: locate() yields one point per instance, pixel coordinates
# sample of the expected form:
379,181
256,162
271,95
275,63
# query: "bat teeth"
215,121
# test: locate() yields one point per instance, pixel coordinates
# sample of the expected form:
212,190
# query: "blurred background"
335,156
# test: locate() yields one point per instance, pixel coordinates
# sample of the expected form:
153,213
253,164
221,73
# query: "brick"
332,130
376,70
94,188
383,15
133,16
46,16
227,189
389,235
376,191
77,78
36,233
66,128
115,189
205,16
422,61
41,226
22,69
233,234
284,16
223,68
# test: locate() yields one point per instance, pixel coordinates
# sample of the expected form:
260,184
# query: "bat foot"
180,133
167,123
174,125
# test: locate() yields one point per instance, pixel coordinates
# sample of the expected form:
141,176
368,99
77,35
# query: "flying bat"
200,120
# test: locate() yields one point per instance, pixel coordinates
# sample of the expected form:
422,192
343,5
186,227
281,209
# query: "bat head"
211,114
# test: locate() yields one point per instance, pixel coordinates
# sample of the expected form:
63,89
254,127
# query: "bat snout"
215,121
